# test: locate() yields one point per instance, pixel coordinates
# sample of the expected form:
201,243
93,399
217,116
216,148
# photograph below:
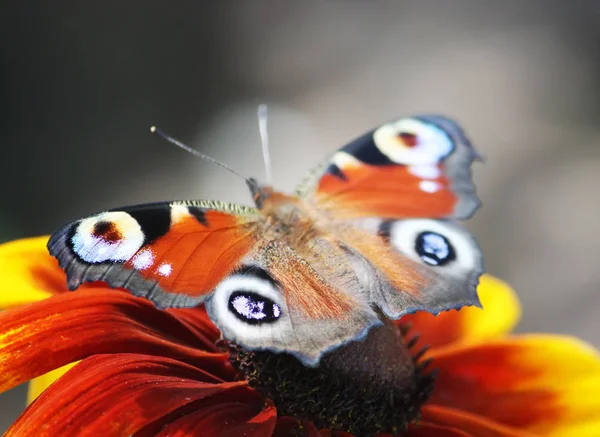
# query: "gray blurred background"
82,82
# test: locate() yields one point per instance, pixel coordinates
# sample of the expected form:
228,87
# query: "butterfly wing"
281,301
171,253
415,264
408,168
259,292
390,197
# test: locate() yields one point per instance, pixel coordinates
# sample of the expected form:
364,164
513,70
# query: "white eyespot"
246,306
411,142
178,212
253,308
143,259
165,269
437,243
434,248
345,160
425,171
109,236
429,186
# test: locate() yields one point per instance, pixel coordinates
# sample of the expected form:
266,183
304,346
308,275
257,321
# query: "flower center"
364,387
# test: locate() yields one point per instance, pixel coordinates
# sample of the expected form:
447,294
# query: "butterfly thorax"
277,206
285,214
291,230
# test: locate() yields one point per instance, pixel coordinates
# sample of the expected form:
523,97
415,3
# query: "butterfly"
370,233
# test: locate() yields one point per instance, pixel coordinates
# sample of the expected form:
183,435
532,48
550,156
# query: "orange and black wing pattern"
408,168
171,253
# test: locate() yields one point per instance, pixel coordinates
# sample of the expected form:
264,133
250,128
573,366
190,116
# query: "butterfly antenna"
262,114
194,152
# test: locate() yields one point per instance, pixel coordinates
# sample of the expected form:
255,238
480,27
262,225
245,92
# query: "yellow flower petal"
29,273
581,409
501,312
548,385
41,383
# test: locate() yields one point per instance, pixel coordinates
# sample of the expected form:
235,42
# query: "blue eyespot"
253,308
434,249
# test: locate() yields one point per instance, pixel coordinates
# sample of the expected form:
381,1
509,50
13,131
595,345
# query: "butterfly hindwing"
411,167
171,253
281,302
415,264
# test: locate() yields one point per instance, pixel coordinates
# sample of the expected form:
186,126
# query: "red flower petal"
470,424
48,334
289,426
545,384
224,420
118,394
241,394
198,322
500,313
425,429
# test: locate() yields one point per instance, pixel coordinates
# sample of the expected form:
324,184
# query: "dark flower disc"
364,387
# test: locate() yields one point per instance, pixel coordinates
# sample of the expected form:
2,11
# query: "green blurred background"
82,82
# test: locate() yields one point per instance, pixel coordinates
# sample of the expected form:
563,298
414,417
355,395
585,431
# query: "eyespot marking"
434,248
256,272
385,230
178,213
252,308
425,171
165,269
343,160
109,236
439,244
413,142
429,186
143,259
409,139
107,231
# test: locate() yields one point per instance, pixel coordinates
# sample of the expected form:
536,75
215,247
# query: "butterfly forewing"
407,168
171,253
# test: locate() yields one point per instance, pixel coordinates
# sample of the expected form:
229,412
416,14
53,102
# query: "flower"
146,372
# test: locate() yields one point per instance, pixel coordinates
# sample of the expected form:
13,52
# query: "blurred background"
81,83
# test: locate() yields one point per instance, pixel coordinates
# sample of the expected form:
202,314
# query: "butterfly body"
369,234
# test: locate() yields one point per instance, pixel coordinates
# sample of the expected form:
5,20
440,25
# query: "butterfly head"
276,206
259,192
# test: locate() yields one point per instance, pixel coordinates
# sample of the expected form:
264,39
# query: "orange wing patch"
412,167
404,274
196,254
363,190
